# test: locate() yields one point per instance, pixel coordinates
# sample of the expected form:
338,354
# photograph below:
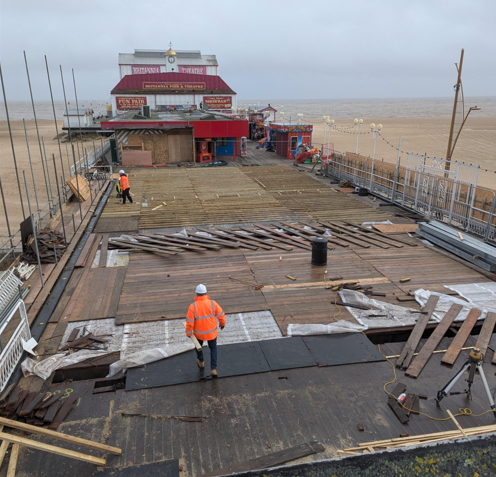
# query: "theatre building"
172,92
170,61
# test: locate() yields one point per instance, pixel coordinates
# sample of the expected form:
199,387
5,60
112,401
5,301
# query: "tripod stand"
474,362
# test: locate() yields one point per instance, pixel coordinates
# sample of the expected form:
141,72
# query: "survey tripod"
474,362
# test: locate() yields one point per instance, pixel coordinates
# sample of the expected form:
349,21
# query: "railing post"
489,222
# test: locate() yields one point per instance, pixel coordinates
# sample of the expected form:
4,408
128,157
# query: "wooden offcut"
486,333
80,187
461,337
425,353
416,335
271,460
395,228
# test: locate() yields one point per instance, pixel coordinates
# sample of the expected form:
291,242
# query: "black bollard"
319,251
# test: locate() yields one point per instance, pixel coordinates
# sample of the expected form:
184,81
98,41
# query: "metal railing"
11,245
90,158
426,187
12,352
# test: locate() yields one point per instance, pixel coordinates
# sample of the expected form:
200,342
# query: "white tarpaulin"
444,304
381,314
45,368
148,356
481,295
341,326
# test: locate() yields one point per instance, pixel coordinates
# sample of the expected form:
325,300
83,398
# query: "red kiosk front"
289,136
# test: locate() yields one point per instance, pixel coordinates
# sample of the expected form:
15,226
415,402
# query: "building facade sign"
175,107
218,102
193,70
158,86
130,102
145,69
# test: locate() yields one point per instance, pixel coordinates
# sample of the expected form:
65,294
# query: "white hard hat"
201,289
121,172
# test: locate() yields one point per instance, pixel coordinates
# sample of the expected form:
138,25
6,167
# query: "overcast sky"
278,49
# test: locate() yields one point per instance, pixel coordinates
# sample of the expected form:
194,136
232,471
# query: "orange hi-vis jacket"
202,318
124,182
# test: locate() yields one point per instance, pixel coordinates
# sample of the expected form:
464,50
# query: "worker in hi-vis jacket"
201,320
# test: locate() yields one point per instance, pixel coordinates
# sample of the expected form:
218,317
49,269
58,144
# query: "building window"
294,142
222,142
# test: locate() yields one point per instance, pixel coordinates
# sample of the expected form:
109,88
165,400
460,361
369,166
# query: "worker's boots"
213,373
201,364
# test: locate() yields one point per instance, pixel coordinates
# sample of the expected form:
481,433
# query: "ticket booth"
204,150
289,136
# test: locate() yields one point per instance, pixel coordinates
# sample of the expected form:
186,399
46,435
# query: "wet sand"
477,145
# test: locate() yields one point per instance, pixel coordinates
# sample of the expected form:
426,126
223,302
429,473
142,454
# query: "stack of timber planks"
467,247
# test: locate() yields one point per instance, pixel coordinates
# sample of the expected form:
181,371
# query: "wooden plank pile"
408,440
467,247
51,247
34,408
414,362
80,187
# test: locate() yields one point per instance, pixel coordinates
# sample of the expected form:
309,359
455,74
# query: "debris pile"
87,341
51,247
35,408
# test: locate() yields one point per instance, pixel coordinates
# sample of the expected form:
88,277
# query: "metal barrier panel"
427,187
13,350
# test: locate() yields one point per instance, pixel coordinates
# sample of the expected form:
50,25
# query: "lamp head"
355,121
372,125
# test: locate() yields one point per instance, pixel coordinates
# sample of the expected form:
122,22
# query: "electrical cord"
462,411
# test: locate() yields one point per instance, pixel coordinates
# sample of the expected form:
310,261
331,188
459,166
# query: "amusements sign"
193,70
218,102
145,70
173,86
130,102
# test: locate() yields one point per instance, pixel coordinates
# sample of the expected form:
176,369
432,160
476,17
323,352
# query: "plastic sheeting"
381,314
444,304
481,295
115,258
341,326
45,368
148,356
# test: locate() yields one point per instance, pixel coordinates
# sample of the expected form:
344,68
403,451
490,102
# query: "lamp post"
282,116
330,123
358,123
300,115
375,130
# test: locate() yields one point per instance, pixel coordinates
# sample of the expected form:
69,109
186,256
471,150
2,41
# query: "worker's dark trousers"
212,344
125,193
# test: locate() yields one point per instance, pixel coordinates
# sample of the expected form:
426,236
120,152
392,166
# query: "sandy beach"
477,145
7,170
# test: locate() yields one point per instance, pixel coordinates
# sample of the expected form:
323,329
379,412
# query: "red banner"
145,70
173,86
130,102
218,102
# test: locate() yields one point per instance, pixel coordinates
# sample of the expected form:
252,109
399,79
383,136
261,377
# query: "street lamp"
358,123
375,130
329,123
300,115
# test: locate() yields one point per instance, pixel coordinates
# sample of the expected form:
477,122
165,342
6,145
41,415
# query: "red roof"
134,83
